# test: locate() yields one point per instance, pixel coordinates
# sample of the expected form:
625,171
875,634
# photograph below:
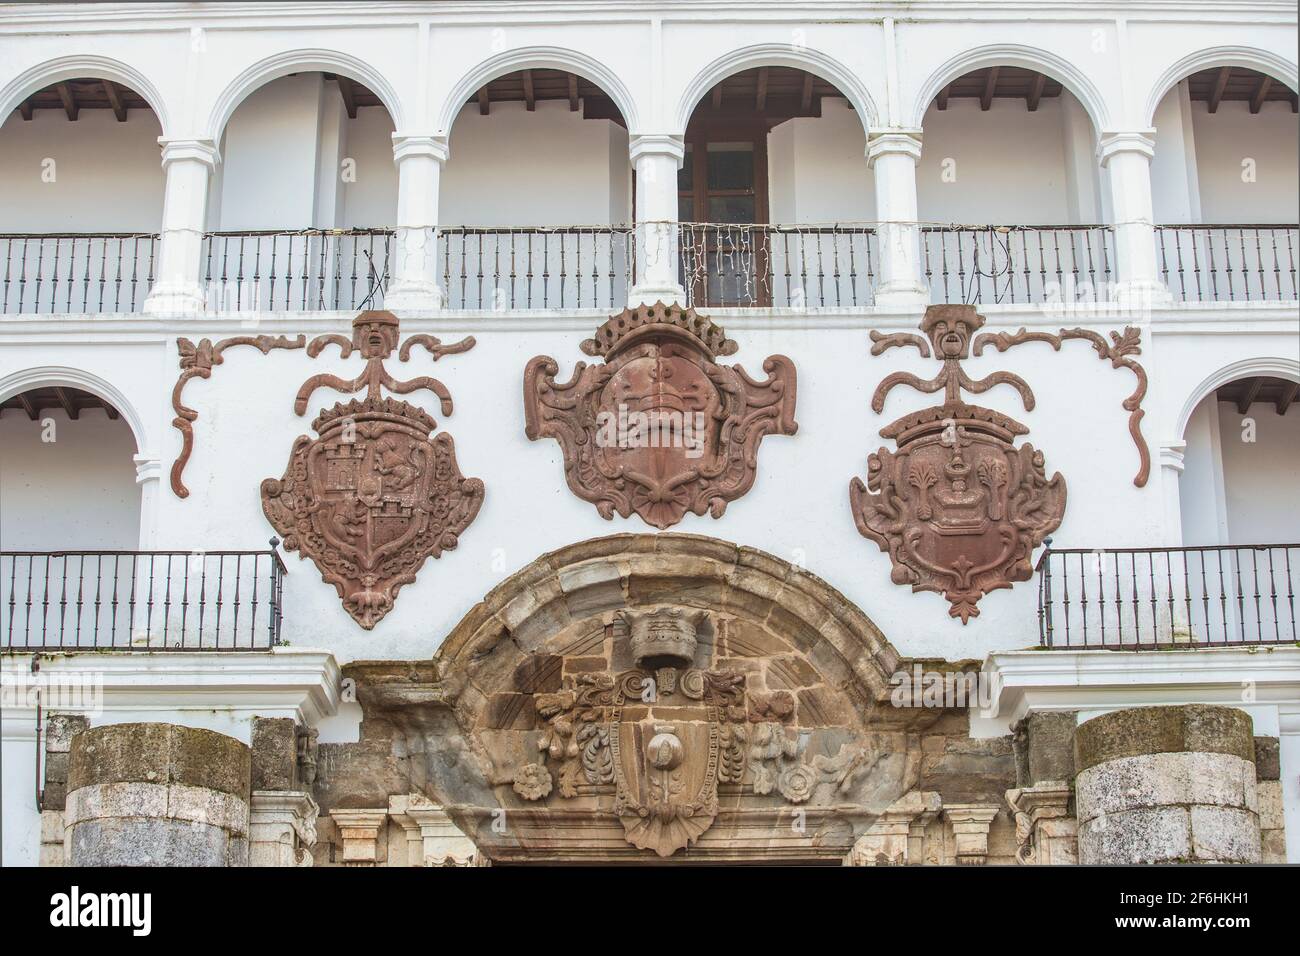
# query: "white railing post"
892,155
656,157
178,286
414,259
1127,158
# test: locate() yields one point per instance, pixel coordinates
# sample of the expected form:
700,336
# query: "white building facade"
199,199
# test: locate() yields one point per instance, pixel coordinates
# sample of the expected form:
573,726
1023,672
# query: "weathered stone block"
1045,747
1147,730
275,753
160,753
1267,759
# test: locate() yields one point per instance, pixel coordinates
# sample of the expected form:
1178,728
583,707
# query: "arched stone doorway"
642,698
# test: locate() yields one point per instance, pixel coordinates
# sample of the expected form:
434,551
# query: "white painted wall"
1231,487
817,168
1227,138
75,493
107,175
544,168
1011,165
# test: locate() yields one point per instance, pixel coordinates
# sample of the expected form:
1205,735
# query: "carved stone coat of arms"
660,428
959,506
374,494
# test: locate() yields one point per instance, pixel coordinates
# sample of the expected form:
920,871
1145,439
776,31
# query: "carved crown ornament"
373,495
959,506
659,428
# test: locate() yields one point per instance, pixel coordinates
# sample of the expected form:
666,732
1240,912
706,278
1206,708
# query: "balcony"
1168,598
140,600
593,267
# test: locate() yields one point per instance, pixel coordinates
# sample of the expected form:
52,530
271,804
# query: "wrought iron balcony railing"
140,600
76,272
1009,264
1228,263
1134,598
593,267
536,267
302,270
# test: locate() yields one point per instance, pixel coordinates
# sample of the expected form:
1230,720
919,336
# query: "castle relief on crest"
373,495
659,428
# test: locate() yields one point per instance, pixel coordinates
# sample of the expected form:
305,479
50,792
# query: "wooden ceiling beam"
25,108
114,100
1252,387
1287,396
1035,92
484,101
760,97
717,97
805,99
1220,84
110,411
990,85
349,92
69,100
530,98
66,401
28,407
1261,91
942,100
573,93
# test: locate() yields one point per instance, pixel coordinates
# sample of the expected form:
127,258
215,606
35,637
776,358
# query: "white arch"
80,65
1013,54
1250,58
298,61
61,375
778,54
539,58
1246,368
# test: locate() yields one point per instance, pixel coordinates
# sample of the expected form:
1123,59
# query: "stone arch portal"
647,696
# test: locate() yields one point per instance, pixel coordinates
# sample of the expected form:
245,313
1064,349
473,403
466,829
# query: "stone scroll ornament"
659,428
959,506
373,496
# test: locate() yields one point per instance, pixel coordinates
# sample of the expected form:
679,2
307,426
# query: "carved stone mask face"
950,340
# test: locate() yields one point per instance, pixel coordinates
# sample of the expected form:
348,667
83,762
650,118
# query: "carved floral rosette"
370,499
659,428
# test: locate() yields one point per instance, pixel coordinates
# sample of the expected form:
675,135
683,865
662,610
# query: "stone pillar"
656,159
891,839
157,795
1167,785
892,155
281,828
1127,157
970,824
1268,782
188,165
360,831
414,262
1046,832
432,838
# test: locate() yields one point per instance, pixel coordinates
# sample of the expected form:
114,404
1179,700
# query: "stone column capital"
893,140
359,830
422,146
1142,142
192,150
970,824
669,145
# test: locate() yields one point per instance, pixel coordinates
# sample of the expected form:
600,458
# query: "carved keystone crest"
373,495
660,428
959,507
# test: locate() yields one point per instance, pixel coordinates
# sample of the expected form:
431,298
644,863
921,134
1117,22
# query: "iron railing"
565,267
76,272
295,270
1228,263
141,600
1008,264
743,265
1212,596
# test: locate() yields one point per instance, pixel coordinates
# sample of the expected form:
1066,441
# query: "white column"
1171,472
188,165
892,155
148,472
414,262
656,158
1127,158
